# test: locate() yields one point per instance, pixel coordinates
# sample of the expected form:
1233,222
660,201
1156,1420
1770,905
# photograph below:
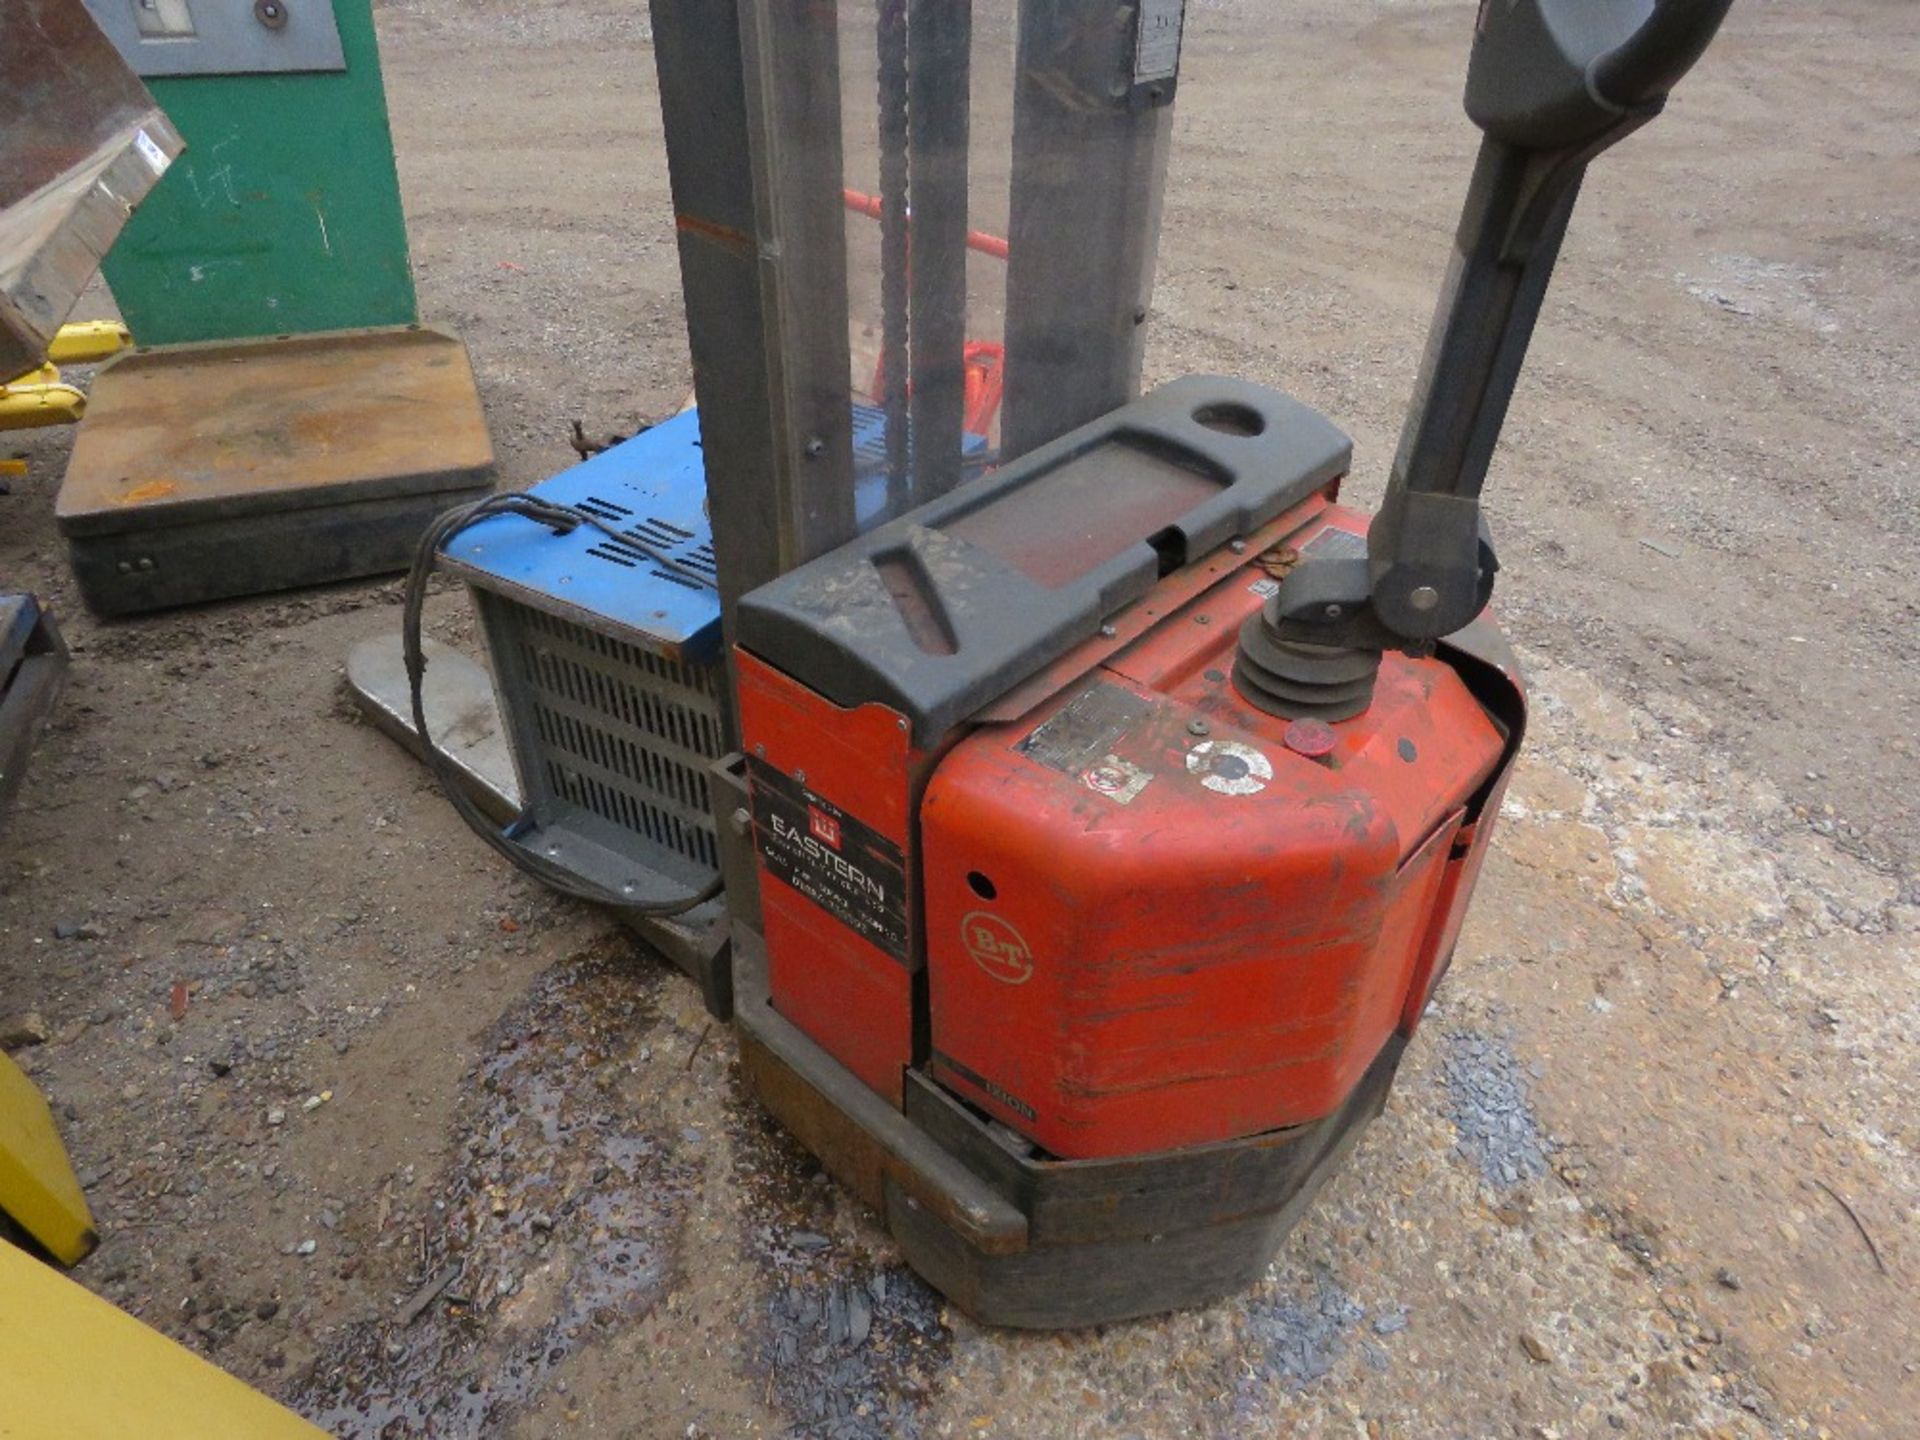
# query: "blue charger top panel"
653,488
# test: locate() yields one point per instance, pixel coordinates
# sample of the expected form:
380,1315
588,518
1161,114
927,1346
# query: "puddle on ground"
560,1222
851,1342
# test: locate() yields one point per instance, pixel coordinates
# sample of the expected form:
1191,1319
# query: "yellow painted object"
38,398
74,1368
37,1189
87,341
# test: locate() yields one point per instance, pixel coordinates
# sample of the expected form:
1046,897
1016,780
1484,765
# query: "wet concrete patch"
559,1220
1488,1100
852,1343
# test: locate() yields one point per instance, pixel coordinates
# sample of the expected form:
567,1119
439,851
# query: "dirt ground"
1651,1167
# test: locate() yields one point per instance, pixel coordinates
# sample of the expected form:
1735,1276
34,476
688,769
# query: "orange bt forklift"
1094,823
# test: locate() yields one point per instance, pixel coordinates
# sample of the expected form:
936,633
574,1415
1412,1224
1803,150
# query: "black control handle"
1549,74
1553,83
1650,62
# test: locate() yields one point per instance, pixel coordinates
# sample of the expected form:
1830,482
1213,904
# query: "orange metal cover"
1150,924
832,788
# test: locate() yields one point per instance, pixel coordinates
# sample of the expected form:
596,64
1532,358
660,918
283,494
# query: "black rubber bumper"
1020,1240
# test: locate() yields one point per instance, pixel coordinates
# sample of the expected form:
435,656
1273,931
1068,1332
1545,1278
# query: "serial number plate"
1156,54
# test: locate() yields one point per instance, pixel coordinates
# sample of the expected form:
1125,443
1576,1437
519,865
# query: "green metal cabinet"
283,216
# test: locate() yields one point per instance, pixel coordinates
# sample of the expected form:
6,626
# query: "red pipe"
869,205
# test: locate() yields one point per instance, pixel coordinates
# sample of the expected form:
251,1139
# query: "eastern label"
840,863
985,1086
997,948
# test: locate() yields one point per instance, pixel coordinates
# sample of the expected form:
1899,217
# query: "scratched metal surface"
653,487
214,431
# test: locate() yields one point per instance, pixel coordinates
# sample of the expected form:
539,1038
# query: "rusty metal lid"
193,433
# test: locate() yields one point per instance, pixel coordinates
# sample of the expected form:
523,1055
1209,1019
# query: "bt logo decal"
997,948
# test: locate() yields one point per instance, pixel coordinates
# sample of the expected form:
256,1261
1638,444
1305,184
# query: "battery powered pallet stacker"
1095,829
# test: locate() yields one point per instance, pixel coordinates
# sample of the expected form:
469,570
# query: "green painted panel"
282,217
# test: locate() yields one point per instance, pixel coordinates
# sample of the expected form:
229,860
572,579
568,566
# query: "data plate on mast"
1156,52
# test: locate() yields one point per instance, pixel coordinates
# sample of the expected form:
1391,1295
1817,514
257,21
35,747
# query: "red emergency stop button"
1311,738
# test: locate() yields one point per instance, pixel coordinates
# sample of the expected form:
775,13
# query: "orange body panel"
1470,848
1132,918
851,993
1151,924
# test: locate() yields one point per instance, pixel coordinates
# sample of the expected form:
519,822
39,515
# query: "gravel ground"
386,1131
1487,1100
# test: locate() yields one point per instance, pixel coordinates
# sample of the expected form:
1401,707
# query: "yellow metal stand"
38,1192
39,397
74,1368
86,342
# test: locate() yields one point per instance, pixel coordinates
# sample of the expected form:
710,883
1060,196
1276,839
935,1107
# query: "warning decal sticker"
1121,781
1333,543
840,863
